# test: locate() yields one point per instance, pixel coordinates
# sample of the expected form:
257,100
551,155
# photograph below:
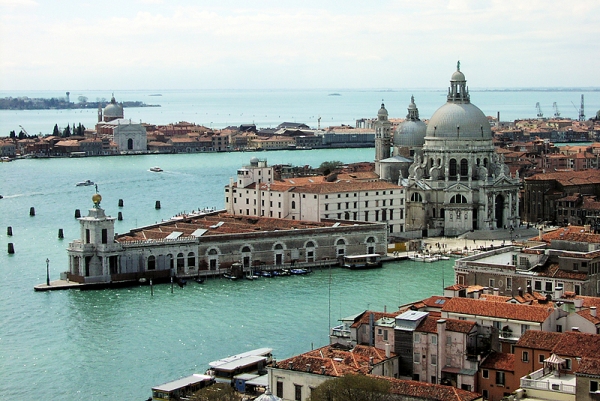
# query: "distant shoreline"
26,103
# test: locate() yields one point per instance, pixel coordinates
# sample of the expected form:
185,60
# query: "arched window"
293,204
180,263
278,246
452,171
151,262
130,144
341,247
458,199
246,249
416,197
191,259
371,245
310,251
213,259
340,242
464,168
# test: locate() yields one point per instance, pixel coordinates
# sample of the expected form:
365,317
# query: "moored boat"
156,169
85,183
367,261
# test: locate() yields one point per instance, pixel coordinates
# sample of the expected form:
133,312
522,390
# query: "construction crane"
580,110
556,112
539,110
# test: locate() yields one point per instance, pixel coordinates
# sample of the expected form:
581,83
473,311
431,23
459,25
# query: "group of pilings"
61,234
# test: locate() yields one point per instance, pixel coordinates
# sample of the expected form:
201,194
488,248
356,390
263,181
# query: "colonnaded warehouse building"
188,245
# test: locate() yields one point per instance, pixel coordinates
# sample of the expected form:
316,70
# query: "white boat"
429,259
156,169
85,183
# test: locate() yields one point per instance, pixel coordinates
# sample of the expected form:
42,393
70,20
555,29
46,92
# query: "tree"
22,135
82,99
12,135
327,167
216,392
353,388
56,132
67,131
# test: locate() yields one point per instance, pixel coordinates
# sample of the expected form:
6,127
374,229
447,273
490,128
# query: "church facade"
457,182
129,137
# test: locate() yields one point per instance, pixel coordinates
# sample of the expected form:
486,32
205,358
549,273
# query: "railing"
536,381
339,331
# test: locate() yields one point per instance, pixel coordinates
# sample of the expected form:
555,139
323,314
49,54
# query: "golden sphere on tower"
96,198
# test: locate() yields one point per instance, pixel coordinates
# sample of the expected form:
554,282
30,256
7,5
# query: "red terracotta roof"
539,340
427,391
332,360
499,361
589,366
577,344
479,307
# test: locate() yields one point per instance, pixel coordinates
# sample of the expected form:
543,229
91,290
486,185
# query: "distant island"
26,103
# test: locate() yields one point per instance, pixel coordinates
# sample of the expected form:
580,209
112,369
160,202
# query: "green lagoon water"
117,344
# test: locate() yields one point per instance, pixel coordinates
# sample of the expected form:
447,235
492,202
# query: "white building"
341,197
459,183
129,137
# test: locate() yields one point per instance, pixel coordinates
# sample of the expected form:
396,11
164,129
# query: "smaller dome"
410,133
458,76
254,161
382,112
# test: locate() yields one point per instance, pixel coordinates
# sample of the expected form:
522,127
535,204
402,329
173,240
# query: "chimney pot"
593,311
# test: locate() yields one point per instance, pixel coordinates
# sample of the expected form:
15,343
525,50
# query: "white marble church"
456,182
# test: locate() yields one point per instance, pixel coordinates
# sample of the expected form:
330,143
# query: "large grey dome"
113,110
459,121
458,118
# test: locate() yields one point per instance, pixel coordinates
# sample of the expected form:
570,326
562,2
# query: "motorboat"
156,169
85,183
199,280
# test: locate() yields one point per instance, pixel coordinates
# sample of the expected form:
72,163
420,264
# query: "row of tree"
66,132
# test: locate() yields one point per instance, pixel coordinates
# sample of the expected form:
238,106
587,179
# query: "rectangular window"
434,359
417,338
525,357
385,335
537,285
434,339
593,386
297,392
280,389
548,286
508,283
485,395
485,374
417,357
524,328
500,378
541,358
492,283
559,328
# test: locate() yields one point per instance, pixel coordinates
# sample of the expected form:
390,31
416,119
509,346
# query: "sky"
284,44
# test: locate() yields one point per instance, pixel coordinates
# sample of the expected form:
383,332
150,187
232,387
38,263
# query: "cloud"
390,44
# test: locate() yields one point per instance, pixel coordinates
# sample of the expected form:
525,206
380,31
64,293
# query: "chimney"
520,291
308,367
496,291
540,233
370,361
578,302
558,292
387,345
476,294
575,329
290,366
486,290
593,311
322,370
529,290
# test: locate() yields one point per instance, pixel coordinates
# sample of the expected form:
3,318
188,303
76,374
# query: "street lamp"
47,272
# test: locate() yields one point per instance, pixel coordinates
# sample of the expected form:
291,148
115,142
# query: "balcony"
549,380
